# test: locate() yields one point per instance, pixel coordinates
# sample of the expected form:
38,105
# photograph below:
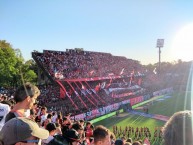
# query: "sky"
127,28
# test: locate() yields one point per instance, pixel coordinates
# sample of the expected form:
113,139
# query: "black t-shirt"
9,116
58,140
65,128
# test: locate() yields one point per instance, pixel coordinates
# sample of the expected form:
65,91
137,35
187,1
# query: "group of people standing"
21,127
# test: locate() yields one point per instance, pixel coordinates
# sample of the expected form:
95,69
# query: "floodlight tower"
160,44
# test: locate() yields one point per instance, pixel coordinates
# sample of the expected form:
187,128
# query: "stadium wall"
110,110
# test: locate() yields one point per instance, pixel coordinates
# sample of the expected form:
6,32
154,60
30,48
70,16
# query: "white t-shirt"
43,118
54,118
27,113
4,110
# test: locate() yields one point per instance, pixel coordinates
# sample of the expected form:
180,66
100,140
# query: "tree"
8,61
13,70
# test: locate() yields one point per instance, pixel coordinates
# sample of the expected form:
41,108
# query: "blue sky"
127,28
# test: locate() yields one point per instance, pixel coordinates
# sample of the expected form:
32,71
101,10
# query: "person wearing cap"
22,131
25,96
101,136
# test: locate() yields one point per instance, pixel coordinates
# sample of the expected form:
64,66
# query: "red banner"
136,100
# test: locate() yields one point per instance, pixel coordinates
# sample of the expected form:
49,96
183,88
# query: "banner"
126,101
136,100
80,116
121,95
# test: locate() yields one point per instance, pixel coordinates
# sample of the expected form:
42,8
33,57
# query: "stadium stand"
85,80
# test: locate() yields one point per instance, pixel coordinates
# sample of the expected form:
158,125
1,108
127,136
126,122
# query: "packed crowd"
24,123
88,95
73,64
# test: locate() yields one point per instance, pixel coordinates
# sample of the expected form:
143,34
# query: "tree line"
14,70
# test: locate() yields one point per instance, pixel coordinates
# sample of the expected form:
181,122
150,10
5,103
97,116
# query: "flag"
122,71
93,91
155,71
69,96
62,93
110,74
83,92
130,81
131,77
107,86
88,91
103,85
91,72
58,75
125,82
70,92
97,88
83,87
133,72
76,93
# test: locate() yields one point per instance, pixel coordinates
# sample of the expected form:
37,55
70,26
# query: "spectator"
81,122
21,130
80,130
25,97
123,139
127,143
51,127
66,125
58,129
88,130
178,129
33,111
101,136
4,111
71,137
136,143
113,138
119,142
44,115
54,114
59,118
47,121
129,140
3,98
